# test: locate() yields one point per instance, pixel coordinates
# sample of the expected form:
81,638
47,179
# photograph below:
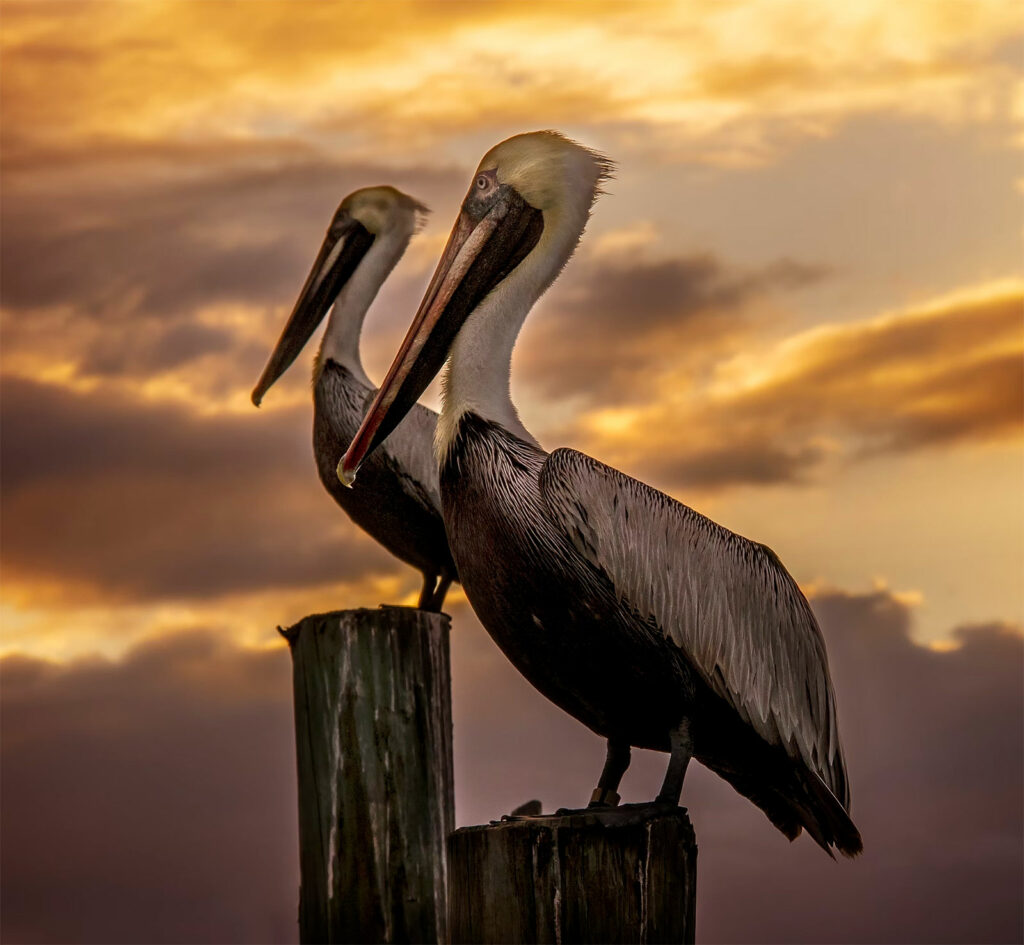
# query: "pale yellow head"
385,210
548,170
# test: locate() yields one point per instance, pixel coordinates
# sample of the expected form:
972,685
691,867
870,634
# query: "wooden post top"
622,817
622,875
394,615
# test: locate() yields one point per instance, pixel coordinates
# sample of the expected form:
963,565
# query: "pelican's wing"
727,602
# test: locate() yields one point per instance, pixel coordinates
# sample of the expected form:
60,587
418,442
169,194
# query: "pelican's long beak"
483,248
343,248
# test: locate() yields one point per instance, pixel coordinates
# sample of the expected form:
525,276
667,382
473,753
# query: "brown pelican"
400,506
646,621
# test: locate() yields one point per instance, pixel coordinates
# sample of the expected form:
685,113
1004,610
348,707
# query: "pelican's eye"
483,182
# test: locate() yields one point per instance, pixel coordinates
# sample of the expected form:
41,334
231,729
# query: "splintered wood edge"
291,634
628,815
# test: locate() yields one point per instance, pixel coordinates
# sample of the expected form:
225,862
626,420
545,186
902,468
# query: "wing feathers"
727,602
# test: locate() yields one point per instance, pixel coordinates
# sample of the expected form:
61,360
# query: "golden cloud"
727,83
946,372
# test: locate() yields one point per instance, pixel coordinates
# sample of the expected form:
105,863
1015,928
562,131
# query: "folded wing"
725,601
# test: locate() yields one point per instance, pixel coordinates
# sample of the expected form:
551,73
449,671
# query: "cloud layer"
752,80
140,501
171,774
940,374
150,801
175,278
619,319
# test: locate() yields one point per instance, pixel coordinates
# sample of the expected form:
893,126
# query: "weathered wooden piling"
376,800
624,875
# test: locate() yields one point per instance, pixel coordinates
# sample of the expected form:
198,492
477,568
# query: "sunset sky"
798,309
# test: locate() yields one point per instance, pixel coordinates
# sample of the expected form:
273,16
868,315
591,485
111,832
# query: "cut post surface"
373,732
625,875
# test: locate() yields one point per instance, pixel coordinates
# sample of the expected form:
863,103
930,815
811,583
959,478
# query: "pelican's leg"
682,752
440,592
427,594
615,764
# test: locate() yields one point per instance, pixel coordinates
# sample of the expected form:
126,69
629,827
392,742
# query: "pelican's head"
550,172
385,210
365,218
520,221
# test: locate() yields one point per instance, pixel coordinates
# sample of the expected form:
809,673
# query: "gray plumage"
726,602
635,614
398,501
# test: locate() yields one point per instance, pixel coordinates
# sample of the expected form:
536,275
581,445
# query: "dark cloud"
153,799
646,295
610,323
149,501
758,462
142,353
129,244
110,265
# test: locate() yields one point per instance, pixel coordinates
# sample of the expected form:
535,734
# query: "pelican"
643,619
400,506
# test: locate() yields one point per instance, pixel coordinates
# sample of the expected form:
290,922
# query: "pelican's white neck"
479,367
341,339
479,370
